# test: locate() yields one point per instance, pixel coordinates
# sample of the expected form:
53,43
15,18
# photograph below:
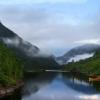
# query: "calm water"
59,86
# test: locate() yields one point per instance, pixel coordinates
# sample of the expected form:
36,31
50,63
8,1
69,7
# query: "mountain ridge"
79,50
27,52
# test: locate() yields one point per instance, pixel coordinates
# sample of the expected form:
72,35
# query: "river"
58,86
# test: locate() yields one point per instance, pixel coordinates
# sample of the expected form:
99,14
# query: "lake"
58,86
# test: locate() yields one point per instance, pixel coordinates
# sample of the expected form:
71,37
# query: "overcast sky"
53,25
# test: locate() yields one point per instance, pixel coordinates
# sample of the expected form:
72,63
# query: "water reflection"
59,86
34,84
79,82
53,89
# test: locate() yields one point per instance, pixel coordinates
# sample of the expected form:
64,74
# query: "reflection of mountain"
81,50
78,83
45,82
34,84
28,53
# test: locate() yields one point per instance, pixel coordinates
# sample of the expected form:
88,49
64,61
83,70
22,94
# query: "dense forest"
90,66
10,67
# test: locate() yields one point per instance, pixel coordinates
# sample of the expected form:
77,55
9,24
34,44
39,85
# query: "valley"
20,59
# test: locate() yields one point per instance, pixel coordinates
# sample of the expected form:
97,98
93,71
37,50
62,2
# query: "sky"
54,26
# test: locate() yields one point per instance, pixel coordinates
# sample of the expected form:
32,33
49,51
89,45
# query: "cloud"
49,26
42,1
43,30
89,41
60,1
91,97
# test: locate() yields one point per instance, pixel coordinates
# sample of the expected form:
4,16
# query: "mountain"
29,54
90,66
12,40
78,51
11,70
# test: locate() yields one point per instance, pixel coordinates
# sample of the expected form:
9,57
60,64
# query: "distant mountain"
80,50
29,54
90,66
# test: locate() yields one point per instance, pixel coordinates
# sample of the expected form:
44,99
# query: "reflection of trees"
77,76
78,82
96,84
33,84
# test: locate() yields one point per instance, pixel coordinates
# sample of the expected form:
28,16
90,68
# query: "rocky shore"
7,91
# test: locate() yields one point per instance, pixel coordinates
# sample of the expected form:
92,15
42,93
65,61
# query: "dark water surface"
59,86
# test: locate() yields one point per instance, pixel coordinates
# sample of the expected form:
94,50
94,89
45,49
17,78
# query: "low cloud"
91,97
89,41
49,28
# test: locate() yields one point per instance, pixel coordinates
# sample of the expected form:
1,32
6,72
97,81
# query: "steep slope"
28,53
10,67
12,40
80,50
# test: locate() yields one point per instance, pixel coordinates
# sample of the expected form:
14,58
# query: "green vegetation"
10,67
89,66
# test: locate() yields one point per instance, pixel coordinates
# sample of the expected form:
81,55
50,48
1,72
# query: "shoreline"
7,91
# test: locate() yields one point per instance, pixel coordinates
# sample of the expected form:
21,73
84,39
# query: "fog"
81,57
53,25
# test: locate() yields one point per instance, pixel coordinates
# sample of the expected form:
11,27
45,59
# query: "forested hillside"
10,67
79,50
90,66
